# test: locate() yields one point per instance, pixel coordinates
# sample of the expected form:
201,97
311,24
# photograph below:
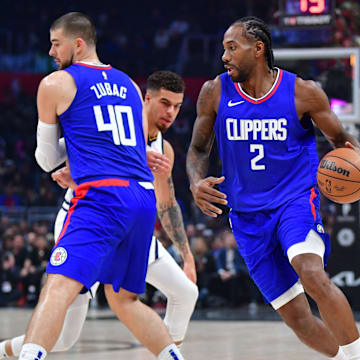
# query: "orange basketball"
338,175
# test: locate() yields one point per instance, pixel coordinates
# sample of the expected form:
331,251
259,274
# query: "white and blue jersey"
268,157
103,126
269,162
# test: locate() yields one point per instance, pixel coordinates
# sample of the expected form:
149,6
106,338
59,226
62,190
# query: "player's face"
162,107
62,48
238,54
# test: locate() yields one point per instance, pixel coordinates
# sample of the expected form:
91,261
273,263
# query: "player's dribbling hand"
63,178
349,145
204,195
158,163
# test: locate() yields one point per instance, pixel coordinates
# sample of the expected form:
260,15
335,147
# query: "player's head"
71,35
163,99
247,42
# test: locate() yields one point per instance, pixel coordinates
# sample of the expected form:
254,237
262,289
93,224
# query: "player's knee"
186,294
301,323
121,298
191,293
60,288
315,281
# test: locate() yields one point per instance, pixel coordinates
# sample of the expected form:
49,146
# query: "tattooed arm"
170,214
197,161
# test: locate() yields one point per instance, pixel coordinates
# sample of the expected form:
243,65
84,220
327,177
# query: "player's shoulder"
57,81
306,87
212,87
209,96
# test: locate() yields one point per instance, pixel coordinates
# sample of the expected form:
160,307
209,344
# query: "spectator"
205,269
9,280
236,284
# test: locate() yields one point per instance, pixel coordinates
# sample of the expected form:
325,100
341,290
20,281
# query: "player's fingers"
215,180
212,198
213,192
213,208
208,208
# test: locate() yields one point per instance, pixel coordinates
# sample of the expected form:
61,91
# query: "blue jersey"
103,127
268,156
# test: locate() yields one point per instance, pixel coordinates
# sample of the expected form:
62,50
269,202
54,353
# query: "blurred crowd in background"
154,39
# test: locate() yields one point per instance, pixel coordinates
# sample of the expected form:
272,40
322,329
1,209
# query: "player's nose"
225,57
51,51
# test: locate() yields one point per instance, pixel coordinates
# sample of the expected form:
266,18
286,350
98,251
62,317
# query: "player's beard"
241,76
162,128
67,63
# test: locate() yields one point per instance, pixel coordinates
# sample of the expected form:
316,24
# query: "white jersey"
156,248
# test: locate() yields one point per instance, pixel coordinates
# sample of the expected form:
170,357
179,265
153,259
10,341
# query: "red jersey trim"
94,67
312,197
254,101
80,193
102,182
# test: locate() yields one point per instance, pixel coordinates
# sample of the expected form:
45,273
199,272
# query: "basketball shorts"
107,234
264,237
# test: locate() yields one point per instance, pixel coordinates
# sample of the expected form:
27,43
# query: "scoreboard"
306,13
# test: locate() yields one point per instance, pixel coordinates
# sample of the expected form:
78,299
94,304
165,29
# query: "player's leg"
140,319
259,244
166,275
308,328
48,317
333,306
75,315
74,320
307,248
124,275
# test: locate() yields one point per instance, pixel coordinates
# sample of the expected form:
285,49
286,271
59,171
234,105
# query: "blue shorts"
263,238
107,235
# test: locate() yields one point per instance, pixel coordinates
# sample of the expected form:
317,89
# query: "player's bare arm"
56,93
170,214
311,99
197,162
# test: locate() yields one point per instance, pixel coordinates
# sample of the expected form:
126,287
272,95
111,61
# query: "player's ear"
79,43
259,49
147,97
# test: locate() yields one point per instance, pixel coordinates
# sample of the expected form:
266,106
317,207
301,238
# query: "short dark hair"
78,25
257,29
167,80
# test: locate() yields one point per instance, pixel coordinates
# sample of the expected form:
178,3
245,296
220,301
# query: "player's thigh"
300,229
258,244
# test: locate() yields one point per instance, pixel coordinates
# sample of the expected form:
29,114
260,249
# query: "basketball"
338,175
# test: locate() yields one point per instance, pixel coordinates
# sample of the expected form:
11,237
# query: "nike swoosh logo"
230,103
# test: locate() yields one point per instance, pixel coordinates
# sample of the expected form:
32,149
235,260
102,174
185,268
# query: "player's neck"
259,83
91,58
152,130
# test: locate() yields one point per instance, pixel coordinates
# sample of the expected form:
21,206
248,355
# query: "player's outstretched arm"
197,161
170,216
311,99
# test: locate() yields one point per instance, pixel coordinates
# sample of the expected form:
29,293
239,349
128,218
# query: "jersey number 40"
117,115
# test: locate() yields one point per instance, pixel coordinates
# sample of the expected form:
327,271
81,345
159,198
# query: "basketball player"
165,92
108,230
261,117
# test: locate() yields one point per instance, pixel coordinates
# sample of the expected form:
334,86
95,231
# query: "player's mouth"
230,69
165,121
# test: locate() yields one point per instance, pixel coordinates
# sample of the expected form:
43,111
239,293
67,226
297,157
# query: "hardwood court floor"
107,338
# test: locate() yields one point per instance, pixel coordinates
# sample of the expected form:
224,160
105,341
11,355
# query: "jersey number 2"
259,148
117,114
